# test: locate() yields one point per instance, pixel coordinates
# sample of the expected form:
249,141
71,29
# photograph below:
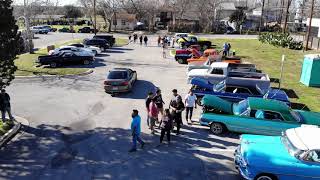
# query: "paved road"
79,132
43,40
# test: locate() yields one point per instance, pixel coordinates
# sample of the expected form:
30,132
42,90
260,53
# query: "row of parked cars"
238,97
78,53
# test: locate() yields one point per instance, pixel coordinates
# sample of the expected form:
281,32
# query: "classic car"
197,57
253,115
177,36
186,42
120,80
235,92
66,58
295,155
221,71
73,49
207,64
182,55
94,49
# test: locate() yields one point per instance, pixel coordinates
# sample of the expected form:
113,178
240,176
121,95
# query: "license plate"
115,88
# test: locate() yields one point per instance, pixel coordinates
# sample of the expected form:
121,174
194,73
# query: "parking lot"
77,131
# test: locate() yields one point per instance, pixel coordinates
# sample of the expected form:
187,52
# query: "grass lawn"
26,62
4,127
268,59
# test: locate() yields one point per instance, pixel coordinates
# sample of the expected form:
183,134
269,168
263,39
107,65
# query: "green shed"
310,73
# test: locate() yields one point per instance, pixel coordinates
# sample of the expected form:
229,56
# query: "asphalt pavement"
77,131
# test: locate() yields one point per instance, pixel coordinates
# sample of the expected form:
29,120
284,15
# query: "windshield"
241,108
293,151
117,75
296,116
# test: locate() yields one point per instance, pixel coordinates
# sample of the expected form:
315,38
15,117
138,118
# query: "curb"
50,76
10,134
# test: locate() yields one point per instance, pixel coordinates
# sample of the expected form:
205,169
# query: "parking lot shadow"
98,62
57,152
140,90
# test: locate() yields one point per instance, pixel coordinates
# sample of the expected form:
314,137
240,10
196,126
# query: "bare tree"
108,10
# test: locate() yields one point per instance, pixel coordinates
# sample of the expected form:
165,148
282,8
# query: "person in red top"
153,115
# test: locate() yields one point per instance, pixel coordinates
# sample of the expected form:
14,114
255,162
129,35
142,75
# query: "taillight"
125,83
107,83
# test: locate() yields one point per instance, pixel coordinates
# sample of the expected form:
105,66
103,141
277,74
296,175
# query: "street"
77,131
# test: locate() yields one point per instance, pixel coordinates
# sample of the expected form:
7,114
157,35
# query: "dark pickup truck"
109,38
65,58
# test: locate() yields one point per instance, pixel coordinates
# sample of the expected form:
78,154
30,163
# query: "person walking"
190,102
130,38
148,101
153,115
177,113
229,48
159,41
135,37
164,49
225,49
140,39
159,101
145,39
135,130
5,106
166,125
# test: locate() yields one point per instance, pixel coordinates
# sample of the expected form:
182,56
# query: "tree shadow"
291,93
140,90
58,152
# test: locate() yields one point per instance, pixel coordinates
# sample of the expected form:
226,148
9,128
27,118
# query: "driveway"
78,132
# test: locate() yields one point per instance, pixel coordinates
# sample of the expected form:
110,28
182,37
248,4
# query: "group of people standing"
226,49
141,39
167,118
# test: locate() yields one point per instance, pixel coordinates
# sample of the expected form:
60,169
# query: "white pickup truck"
221,71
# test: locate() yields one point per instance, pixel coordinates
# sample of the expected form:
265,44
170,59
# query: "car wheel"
265,177
181,61
86,62
53,65
199,99
217,129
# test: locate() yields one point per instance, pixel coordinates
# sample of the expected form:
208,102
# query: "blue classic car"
293,156
235,93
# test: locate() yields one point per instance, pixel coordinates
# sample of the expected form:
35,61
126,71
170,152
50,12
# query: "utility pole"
310,23
262,14
287,15
27,24
281,13
94,17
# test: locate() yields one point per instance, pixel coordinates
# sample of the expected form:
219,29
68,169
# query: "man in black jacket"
5,105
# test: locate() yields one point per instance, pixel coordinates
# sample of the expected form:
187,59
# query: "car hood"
312,118
217,103
197,72
267,150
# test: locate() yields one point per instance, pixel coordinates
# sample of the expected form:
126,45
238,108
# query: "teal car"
253,116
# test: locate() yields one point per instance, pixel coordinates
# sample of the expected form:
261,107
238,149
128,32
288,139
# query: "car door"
270,123
67,58
215,75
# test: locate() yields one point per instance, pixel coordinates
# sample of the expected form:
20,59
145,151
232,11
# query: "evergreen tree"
9,43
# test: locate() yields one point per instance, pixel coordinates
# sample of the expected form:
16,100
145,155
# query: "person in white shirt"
190,101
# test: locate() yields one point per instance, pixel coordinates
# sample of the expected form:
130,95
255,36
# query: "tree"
72,11
239,17
108,9
9,41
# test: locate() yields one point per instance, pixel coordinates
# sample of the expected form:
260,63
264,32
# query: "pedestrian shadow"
42,152
140,90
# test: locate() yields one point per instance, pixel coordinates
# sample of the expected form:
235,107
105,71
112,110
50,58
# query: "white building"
315,27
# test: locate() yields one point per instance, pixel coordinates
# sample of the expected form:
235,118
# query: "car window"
314,156
65,49
67,54
118,75
217,71
243,90
261,114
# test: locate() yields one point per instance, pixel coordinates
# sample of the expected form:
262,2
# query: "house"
224,10
123,21
315,27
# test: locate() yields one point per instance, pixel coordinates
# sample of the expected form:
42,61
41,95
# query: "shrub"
280,40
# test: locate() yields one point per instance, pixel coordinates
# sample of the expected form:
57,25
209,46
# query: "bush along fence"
281,39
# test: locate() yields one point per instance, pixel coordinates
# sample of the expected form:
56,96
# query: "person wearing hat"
135,130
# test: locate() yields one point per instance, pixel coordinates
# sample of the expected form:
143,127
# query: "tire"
181,61
199,101
217,128
265,177
53,65
86,62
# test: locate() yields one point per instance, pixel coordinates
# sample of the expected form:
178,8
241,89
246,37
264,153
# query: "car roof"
220,64
268,105
304,137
